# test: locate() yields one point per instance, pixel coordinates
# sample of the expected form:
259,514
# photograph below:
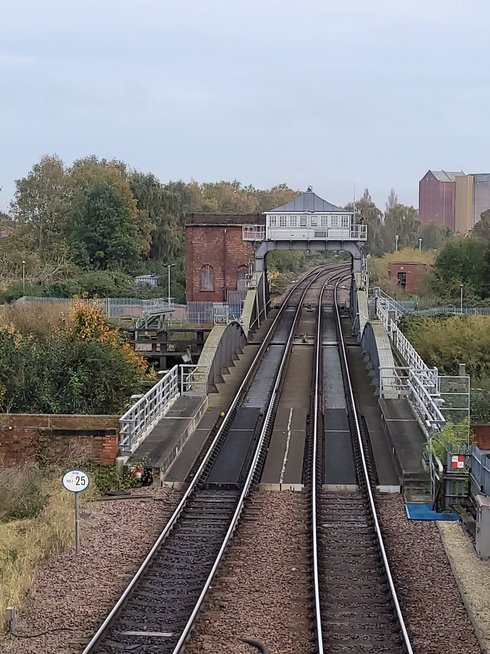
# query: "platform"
408,443
164,443
388,477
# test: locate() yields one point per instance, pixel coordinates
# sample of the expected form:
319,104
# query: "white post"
420,244
396,242
23,277
168,278
461,300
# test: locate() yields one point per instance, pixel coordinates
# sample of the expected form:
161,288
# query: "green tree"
370,215
462,261
482,227
41,201
400,221
433,236
392,200
164,208
104,233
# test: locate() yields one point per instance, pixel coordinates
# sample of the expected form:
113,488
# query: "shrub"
21,493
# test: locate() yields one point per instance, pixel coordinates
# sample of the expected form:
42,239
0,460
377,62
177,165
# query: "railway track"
356,606
159,607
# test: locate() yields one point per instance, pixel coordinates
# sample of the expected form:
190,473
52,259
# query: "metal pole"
396,242
168,269
77,522
461,300
23,277
420,244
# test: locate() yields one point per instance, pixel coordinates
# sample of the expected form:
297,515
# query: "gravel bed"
430,600
473,575
262,589
75,591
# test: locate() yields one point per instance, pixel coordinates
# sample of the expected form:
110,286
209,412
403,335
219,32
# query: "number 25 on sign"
76,481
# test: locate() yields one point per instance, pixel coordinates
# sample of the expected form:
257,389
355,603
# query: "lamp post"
23,277
169,265
396,242
420,244
461,299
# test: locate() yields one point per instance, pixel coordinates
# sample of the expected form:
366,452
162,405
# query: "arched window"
241,278
207,278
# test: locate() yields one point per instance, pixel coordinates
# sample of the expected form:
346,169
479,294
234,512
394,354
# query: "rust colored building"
437,192
409,276
217,259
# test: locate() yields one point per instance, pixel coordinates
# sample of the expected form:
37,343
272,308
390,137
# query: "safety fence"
196,313
150,408
434,398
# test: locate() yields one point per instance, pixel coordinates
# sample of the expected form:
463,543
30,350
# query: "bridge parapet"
434,398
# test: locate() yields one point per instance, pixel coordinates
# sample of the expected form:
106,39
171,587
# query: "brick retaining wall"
34,437
482,436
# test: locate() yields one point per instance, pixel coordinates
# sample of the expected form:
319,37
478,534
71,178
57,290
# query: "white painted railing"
415,381
142,417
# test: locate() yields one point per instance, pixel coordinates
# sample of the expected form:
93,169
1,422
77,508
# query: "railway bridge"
409,402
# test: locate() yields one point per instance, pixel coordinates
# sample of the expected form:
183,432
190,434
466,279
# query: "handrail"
140,418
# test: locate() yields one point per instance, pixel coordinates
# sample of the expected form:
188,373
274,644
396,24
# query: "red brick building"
408,275
218,260
437,192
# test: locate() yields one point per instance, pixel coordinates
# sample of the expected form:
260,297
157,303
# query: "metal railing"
142,417
480,469
435,398
410,384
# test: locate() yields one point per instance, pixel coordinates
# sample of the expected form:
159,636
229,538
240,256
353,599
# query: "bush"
21,493
84,368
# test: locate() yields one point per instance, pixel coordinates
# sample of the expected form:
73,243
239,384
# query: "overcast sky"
370,93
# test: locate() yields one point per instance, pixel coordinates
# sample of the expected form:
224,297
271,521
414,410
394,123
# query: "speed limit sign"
76,481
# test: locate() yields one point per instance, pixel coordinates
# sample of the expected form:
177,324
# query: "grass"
25,543
33,318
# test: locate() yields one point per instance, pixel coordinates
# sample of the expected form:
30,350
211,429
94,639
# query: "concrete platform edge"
478,632
164,467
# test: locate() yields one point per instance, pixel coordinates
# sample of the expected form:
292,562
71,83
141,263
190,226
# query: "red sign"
457,461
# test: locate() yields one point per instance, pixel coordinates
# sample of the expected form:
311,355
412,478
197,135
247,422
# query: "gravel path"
74,591
473,575
260,591
434,612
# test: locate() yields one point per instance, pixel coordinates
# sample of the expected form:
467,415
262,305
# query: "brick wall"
219,246
416,274
482,436
33,437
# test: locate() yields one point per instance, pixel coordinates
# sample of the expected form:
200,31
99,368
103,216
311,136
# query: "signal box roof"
306,202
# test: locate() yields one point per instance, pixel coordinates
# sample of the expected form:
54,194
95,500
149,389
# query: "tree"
369,214
434,236
401,221
482,227
104,232
164,209
462,261
392,200
41,202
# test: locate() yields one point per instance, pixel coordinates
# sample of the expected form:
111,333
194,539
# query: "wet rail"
356,605
158,608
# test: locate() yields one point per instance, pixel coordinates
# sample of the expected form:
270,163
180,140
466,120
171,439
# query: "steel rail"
379,535
248,482
96,638
316,413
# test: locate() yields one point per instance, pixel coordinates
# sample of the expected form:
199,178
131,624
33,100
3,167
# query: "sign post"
76,481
